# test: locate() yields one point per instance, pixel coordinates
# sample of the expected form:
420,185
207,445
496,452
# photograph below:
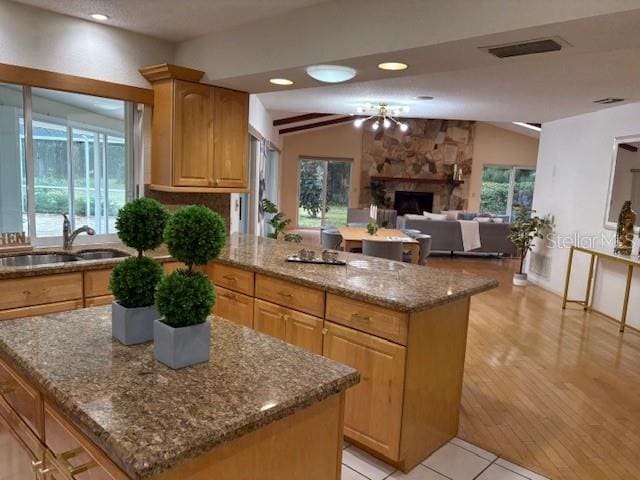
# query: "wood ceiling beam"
300,118
333,121
626,146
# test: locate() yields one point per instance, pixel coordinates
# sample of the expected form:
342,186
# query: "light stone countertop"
147,417
401,286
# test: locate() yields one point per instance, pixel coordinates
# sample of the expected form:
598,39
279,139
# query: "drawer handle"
359,316
231,278
7,386
282,293
64,458
284,316
230,296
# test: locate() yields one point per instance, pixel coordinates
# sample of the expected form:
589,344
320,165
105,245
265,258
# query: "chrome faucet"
68,236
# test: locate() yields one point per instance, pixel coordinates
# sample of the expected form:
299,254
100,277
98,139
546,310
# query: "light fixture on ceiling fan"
384,115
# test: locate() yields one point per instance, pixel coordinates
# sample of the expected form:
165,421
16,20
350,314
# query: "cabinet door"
15,458
231,130
267,318
234,306
192,135
304,331
373,408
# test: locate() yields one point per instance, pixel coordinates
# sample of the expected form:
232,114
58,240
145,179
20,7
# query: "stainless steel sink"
101,254
36,259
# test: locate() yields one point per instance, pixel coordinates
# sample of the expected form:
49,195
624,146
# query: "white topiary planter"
520,279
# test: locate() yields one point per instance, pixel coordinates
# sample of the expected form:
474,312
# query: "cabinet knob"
325,331
216,182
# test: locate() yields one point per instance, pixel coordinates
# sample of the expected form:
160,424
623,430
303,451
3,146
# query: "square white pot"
181,347
133,325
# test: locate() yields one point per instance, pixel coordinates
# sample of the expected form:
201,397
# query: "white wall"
35,38
261,122
572,182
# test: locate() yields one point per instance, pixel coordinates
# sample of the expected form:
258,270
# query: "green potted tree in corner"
140,225
194,236
524,230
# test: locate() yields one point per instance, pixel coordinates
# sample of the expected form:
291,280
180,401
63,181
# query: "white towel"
470,234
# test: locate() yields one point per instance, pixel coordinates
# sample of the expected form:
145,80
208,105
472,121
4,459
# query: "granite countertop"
147,417
400,286
161,254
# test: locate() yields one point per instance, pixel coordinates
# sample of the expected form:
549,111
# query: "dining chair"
331,239
391,250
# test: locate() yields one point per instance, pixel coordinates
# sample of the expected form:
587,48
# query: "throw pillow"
454,214
434,216
498,220
483,219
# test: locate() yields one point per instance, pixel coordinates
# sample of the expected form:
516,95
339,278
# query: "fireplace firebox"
413,202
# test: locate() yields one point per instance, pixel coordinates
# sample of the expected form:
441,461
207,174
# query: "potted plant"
278,222
194,236
140,225
524,230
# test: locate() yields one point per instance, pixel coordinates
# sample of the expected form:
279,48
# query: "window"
63,153
323,195
504,187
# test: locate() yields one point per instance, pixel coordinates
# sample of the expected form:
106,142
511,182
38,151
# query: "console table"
596,255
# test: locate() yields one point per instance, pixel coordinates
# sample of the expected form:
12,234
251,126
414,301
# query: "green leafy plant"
140,224
526,228
278,222
133,282
194,235
311,186
379,195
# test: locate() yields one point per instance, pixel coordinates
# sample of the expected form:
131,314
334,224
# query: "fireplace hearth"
413,202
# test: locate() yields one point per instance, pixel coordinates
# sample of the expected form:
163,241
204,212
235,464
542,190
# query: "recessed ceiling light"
331,73
392,66
424,97
281,81
101,17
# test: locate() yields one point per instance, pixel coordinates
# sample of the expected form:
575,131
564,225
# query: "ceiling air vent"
529,47
608,101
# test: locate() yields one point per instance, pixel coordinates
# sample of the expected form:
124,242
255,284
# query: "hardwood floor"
556,392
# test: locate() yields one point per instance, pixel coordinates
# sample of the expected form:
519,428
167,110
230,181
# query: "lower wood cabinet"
297,328
15,458
373,408
234,306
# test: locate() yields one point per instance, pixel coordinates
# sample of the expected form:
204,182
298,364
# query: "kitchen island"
76,404
402,326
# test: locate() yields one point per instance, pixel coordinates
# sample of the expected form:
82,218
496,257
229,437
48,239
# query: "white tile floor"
457,460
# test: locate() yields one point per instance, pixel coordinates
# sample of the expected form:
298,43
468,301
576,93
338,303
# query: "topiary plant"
194,236
133,282
140,225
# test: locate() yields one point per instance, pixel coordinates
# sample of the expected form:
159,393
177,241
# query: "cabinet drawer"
232,278
373,408
40,309
24,292
234,306
95,301
73,453
26,401
96,282
292,295
297,328
365,317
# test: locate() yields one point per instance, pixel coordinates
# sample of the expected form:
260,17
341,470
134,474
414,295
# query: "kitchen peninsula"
76,404
402,326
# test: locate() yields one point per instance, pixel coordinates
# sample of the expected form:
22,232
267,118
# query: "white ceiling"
174,20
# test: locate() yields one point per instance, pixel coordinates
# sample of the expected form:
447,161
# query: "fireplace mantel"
433,181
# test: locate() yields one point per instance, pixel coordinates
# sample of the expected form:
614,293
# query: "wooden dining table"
352,239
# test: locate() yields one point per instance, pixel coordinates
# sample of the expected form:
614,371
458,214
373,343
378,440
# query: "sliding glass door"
323,194
506,187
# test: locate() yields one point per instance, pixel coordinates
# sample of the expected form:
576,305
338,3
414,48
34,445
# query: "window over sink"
63,152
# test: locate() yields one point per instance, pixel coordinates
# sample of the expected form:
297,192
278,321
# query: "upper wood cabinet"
200,133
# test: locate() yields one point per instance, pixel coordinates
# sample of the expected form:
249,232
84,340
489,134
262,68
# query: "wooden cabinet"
96,287
234,306
292,295
199,133
23,399
232,278
231,129
297,328
373,409
193,145
15,459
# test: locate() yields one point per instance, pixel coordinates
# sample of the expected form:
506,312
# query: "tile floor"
457,460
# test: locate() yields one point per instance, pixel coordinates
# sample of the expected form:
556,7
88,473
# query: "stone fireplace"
420,160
